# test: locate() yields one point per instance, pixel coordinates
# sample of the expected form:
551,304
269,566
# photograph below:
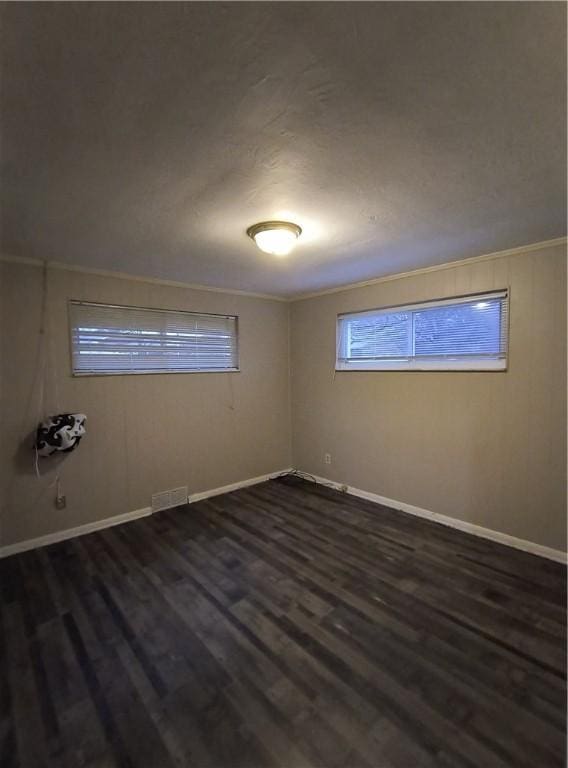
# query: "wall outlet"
60,502
327,458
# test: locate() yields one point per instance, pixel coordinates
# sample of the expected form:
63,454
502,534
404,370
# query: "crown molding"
27,260
436,268
558,241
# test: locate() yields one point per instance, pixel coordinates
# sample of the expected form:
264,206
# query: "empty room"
283,344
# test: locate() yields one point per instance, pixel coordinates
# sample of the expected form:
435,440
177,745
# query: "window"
109,339
466,333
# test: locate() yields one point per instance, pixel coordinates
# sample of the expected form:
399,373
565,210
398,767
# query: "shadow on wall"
24,464
24,459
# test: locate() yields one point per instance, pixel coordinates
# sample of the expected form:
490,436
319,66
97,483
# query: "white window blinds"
109,339
465,333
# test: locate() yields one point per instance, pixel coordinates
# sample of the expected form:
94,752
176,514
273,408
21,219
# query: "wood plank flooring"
287,625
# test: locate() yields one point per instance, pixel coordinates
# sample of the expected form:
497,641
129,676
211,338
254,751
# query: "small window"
466,333
109,339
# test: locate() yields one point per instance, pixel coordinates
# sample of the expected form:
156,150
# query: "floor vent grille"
169,499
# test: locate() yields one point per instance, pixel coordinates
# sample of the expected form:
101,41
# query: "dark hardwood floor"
282,625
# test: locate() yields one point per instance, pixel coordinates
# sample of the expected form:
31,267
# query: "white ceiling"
146,138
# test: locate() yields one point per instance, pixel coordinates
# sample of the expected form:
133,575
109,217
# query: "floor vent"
168,499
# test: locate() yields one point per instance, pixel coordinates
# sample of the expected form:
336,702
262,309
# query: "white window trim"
476,363
156,371
492,364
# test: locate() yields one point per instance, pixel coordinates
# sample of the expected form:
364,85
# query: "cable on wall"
42,361
63,431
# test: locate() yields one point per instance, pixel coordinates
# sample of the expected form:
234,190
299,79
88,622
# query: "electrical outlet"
60,502
327,458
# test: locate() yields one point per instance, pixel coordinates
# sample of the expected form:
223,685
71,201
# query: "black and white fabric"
60,433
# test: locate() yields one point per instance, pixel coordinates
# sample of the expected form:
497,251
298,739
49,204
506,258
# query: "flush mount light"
276,237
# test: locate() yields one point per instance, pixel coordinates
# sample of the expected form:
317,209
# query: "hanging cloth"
60,433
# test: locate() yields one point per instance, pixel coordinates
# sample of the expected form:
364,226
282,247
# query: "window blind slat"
467,331
115,339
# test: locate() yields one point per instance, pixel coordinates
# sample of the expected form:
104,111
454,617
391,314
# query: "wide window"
109,339
465,333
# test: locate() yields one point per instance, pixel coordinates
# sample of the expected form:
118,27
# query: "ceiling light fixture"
276,237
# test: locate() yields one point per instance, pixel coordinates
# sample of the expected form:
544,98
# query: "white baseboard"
71,533
234,486
476,530
451,522
97,525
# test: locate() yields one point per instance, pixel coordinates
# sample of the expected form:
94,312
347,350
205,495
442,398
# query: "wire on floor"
306,476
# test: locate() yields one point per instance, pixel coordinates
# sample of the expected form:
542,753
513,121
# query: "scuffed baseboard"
461,525
234,486
451,522
97,525
71,533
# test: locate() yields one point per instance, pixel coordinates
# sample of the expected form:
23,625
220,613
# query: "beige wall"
145,433
486,448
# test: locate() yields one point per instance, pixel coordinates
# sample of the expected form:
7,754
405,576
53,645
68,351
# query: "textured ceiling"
145,138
